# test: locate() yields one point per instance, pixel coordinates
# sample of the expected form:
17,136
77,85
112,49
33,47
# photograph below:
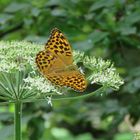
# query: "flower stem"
17,117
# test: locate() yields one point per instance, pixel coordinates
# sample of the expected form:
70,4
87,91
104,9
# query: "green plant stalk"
17,119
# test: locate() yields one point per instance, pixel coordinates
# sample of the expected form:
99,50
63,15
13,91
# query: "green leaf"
83,45
4,116
58,12
101,3
124,136
97,36
126,30
133,86
132,18
4,18
35,12
15,7
6,131
86,136
61,134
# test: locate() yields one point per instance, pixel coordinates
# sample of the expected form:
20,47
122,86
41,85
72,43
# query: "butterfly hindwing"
73,79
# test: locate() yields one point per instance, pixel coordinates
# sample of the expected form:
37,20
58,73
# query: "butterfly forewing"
56,63
47,62
59,46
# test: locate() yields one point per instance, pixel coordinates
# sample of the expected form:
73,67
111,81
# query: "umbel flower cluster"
20,79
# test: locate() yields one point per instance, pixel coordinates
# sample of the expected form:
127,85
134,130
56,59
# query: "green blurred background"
103,28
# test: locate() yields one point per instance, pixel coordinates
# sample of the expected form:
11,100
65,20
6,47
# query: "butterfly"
55,62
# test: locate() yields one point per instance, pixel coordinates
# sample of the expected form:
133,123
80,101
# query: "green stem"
18,114
59,97
80,96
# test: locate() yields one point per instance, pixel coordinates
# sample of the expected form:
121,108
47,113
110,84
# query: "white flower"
19,57
49,100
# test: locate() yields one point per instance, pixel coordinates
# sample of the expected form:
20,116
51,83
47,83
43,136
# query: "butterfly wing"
59,46
48,62
73,79
56,63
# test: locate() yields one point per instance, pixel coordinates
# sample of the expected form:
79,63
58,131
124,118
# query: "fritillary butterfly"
55,62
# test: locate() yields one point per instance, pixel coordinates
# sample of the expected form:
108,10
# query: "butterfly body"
56,63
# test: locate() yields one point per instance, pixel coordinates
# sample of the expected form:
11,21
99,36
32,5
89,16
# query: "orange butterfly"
56,63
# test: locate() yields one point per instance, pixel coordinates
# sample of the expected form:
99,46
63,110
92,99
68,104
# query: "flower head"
20,79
